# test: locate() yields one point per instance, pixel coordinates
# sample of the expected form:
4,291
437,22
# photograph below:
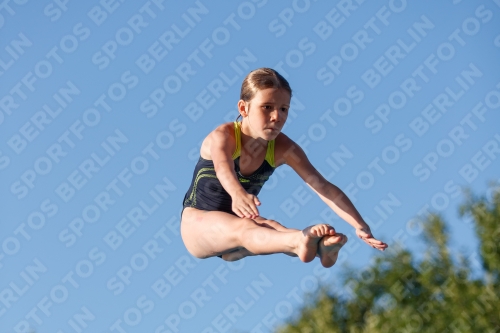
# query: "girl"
220,215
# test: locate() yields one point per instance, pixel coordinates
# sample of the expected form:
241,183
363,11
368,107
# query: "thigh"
272,224
211,233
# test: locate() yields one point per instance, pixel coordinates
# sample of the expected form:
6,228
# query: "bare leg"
237,255
208,234
273,224
242,253
329,247
328,250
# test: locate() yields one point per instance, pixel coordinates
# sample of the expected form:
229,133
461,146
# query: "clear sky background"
103,105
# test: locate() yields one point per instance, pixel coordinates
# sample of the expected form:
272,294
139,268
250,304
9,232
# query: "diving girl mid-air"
220,215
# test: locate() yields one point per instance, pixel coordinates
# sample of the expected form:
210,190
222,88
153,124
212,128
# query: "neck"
249,141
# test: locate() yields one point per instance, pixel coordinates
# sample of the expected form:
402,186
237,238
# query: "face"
266,113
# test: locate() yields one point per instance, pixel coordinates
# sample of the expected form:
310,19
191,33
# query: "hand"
245,205
366,235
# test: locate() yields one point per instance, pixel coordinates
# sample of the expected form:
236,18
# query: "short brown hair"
262,78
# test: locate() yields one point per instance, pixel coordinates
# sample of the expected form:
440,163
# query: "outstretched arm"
338,201
334,197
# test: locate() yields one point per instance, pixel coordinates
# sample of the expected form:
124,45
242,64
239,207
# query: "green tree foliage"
434,294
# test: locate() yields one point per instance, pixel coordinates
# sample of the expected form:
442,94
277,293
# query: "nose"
275,115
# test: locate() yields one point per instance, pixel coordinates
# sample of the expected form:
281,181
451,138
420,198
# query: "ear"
243,108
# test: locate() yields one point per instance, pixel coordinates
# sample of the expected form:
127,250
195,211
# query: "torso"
252,170
249,162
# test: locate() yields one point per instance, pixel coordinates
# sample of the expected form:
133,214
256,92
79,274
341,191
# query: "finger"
369,243
252,212
376,241
241,210
249,213
255,211
238,213
373,240
247,205
379,247
244,212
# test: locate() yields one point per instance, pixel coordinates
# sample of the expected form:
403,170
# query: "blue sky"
104,106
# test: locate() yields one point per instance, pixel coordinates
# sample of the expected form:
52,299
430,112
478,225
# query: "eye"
267,107
284,109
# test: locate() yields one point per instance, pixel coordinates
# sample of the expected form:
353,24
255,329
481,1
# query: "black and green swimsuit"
206,191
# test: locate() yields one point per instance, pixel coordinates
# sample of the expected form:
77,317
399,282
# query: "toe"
321,230
333,239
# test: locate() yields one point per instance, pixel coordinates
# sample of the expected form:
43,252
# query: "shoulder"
226,129
287,151
224,134
293,155
221,137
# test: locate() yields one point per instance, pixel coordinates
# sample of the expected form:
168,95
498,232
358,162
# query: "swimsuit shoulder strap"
237,151
237,137
270,153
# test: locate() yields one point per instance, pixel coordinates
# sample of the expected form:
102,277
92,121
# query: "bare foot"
329,247
309,238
